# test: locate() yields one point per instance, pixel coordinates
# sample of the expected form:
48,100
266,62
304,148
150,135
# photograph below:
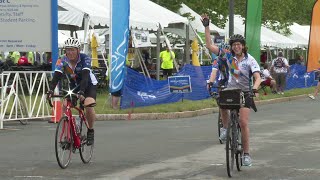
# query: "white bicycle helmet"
72,42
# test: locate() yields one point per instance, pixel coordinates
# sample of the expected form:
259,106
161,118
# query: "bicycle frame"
72,123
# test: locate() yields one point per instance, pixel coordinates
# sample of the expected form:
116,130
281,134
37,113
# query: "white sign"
25,25
140,38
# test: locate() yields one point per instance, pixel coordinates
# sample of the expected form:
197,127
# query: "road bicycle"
234,99
71,135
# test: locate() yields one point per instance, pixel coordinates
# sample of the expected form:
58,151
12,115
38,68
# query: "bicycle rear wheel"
230,150
85,150
220,125
63,143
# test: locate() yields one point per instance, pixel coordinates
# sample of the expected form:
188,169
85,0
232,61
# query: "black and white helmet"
237,38
72,42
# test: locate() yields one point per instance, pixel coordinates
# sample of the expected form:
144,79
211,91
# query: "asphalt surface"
284,145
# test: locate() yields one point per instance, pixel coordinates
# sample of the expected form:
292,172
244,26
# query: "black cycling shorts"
91,91
248,100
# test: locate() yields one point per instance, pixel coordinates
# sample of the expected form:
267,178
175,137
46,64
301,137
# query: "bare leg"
225,117
114,102
91,116
273,85
244,124
317,89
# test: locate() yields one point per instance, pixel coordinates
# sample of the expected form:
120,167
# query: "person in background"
15,56
263,58
146,58
23,60
280,67
30,57
315,94
300,60
115,96
166,57
267,79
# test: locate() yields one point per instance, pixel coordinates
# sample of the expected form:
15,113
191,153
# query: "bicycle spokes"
229,151
85,150
63,143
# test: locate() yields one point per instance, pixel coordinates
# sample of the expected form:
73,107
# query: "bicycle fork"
236,133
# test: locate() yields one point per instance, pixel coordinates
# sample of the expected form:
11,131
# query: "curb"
185,114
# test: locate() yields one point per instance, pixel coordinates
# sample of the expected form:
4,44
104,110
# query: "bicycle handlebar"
219,87
215,94
53,96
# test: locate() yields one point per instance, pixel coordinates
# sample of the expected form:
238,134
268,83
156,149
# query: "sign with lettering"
179,84
25,25
140,38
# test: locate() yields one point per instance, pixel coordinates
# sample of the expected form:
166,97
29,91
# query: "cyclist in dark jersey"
241,67
77,66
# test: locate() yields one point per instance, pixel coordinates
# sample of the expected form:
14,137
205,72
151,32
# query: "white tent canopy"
300,33
267,37
99,13
69,15
156,12
196,23
62,37
144,14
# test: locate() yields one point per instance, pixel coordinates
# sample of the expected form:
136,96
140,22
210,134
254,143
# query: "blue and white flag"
120,11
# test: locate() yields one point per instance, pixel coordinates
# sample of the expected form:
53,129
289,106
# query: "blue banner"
139,90
54,33
120,11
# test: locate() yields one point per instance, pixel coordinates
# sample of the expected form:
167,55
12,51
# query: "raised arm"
205,21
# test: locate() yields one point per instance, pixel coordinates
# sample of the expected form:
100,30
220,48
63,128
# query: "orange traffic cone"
56,109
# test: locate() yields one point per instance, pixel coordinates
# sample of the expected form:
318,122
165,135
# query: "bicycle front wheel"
63,143
85,150
239,149
220,125
229,150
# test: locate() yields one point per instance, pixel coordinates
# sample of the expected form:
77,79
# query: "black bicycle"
215,95
233,99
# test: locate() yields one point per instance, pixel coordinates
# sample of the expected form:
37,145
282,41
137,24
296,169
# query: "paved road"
284,142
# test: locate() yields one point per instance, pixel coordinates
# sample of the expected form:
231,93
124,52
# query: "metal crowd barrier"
23,95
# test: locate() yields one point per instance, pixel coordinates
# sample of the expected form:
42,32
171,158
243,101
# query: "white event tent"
196,23
300,33
268,37
144,14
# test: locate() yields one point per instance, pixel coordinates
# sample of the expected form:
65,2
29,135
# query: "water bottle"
78,124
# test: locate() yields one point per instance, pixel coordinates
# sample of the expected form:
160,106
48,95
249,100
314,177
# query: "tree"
277,15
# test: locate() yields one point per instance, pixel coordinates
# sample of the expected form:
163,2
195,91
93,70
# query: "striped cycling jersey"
235,73
84,62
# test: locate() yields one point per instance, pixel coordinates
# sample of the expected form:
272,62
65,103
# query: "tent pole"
85,39
157,54
306,57
187,45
